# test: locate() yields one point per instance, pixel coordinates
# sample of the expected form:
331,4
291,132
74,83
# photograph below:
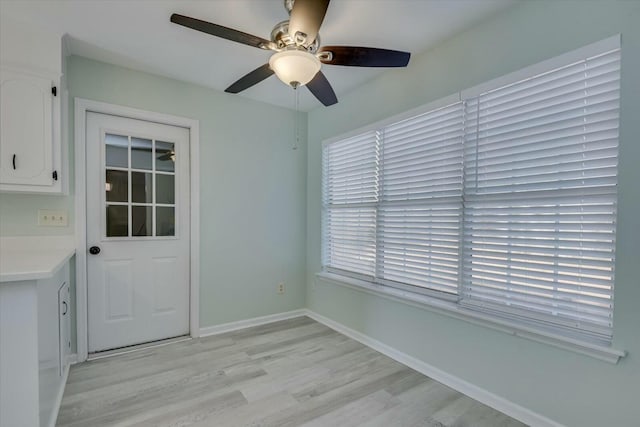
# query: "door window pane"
117,221
117,150
117,186
141,153
141,187
165,156
141,220
139,175
165,221
165,187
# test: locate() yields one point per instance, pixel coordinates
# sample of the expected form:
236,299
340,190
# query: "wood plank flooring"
295,372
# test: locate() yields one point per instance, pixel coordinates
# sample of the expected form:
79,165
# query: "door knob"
94,250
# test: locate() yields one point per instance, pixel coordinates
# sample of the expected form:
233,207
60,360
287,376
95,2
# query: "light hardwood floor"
291,373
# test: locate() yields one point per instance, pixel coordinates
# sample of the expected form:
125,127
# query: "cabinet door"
64,324
26,145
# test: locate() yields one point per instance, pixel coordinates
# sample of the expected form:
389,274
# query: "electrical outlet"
52,218
281,288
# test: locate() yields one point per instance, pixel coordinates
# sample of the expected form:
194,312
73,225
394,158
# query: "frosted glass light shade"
294,66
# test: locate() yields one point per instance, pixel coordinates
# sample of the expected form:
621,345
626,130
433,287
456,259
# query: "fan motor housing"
281,37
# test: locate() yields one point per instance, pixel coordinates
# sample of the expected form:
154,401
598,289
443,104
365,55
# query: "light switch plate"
52,218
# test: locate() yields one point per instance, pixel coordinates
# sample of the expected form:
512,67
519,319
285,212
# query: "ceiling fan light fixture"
295,67
299,52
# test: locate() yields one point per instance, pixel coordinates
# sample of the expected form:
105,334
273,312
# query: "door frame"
82,107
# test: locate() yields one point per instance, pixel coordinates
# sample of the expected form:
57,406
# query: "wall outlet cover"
53,218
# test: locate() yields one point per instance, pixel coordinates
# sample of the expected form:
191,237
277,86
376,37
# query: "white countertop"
33,257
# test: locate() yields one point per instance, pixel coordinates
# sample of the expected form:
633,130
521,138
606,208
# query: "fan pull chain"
296,136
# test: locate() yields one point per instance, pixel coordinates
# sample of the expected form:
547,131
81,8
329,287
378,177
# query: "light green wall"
19,214
564,386
252,189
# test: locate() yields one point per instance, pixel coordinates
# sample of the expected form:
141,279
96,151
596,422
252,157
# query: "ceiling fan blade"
355,56
306,17
220,31
254,77
321,89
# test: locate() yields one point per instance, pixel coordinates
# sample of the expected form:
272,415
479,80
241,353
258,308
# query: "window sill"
452,309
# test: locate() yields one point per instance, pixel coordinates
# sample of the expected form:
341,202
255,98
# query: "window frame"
376,127
449,304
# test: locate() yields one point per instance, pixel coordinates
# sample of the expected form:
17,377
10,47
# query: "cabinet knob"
94,250
65,308
14,162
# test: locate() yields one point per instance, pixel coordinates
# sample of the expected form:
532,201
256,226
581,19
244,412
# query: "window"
504,201
140,186
421,205
540,193
351,190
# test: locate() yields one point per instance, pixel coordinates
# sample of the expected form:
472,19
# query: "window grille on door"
140,187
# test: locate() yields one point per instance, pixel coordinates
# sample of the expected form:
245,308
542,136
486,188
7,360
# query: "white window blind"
540,197
420,212
350,196
504,202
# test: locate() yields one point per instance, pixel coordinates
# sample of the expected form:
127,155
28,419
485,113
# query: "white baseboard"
496,402
58,401
247,323
72,359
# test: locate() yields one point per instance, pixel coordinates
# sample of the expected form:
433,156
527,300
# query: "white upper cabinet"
26,133
31,154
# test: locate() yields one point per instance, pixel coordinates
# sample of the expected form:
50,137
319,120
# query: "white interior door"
137,231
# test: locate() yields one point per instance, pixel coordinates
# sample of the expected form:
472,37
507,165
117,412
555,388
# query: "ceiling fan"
168,155
298,53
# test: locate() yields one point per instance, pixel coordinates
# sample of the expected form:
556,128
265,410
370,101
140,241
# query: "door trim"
82,107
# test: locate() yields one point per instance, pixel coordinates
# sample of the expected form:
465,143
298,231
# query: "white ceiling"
137,34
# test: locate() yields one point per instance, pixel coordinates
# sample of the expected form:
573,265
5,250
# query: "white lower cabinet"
53,341
64,325
34,347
